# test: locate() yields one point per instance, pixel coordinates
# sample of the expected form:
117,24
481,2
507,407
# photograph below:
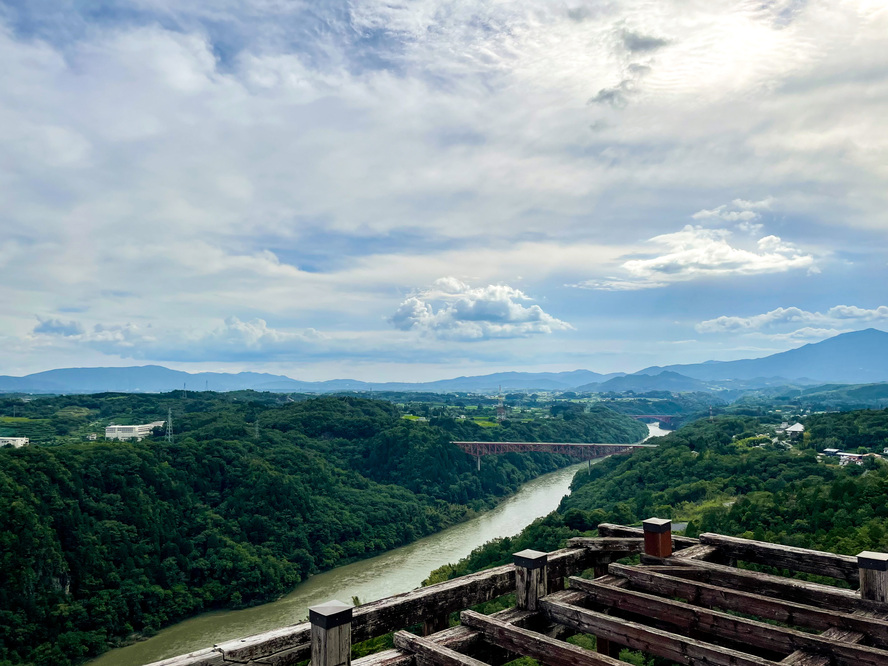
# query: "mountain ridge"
849,358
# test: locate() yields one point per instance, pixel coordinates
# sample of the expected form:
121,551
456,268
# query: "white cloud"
696,252
170,177
837,316
232,340
745,213
808,334
452,310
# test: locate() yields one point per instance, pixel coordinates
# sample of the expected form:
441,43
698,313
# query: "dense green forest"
715,475
101,540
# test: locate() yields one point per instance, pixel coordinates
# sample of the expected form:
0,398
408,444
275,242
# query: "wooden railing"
631,606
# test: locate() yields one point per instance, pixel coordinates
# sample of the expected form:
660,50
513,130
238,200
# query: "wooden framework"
687,601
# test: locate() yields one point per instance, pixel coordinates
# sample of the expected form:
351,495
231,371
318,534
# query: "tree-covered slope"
716,475
99,540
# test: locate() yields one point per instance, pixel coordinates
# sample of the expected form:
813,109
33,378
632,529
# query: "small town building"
831,452
14,442
136,432
795,430
92,436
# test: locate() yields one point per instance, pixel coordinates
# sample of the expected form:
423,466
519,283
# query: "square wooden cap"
531,559
657,525
331,614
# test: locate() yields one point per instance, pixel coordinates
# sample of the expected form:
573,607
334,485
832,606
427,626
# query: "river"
398,570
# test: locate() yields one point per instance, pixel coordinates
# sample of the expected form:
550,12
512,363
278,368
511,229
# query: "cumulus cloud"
696,252
452,310
838,317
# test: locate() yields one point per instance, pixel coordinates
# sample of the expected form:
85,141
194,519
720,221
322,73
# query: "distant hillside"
157,379
664,381
859,357
851,358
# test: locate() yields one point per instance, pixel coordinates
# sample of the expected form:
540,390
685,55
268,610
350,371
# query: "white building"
136,432
14,442
795,430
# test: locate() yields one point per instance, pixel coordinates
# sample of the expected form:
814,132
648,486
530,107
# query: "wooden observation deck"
692,607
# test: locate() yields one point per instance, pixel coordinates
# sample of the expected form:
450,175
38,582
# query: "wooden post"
657,537
435,624
330,634
873,569
530,578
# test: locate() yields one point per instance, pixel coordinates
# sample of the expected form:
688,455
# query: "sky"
415,190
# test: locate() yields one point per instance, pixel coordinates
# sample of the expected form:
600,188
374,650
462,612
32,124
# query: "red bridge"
581,451
665,419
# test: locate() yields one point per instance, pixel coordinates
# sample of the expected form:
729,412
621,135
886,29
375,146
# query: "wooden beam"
628,545
799,591
843,567
204,657
460,638
550,651
805,658
698,552
727,626
637,636
786,612
611,530
429,652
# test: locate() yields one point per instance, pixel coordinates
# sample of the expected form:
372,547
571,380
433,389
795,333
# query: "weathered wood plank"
429,652
629,545
550,651
787,612
386,658
462,639
698,552
730,627
205,657
813,594
637,636
843,567
611,530
804,658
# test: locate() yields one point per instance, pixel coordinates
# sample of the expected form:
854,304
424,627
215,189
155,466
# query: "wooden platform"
693,606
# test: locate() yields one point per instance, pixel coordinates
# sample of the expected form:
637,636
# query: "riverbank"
395,571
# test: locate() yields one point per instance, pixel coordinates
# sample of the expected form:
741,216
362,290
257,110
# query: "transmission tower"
169,426
257,427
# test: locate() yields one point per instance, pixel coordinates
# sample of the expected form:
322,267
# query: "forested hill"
103,539
717,476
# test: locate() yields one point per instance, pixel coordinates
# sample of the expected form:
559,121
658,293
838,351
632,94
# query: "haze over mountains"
851,358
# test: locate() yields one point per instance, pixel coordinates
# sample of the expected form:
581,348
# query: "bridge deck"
583,451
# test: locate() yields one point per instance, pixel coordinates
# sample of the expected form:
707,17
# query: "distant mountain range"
850,358
859,357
